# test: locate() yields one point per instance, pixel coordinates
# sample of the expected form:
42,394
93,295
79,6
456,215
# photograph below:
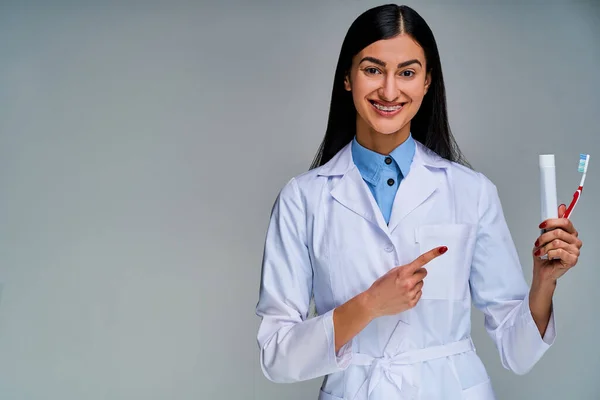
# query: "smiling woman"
387,86
396,236
389,58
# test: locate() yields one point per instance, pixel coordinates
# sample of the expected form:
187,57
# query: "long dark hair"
430,125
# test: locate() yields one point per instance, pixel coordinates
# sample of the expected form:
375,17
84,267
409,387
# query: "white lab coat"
327,237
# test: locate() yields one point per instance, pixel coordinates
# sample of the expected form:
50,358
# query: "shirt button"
388,160
389,247
390,181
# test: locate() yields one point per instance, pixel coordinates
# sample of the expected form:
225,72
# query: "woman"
394,236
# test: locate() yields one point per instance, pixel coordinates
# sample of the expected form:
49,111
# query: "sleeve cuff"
550,334
343,357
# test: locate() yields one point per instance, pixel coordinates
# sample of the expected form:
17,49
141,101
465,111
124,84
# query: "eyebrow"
383,64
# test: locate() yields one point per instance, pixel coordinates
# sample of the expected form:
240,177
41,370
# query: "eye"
372,71
407,73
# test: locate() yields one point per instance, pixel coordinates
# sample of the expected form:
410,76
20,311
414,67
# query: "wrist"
543,286
540,298
365,305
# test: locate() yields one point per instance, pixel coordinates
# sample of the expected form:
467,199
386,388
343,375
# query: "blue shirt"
384,173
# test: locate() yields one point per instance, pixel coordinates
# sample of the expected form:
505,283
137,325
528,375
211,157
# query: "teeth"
384,108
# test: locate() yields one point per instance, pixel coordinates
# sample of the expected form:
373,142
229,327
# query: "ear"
427,81
347,84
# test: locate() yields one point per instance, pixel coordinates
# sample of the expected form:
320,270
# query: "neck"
379,142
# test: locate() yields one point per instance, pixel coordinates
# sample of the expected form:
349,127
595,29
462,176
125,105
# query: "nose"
389,90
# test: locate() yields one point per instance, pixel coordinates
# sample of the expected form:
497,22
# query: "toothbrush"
584,160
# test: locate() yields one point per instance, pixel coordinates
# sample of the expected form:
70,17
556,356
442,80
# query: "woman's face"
388,81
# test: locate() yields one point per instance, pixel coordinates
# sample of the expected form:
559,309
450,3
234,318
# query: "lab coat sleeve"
292,346
499,289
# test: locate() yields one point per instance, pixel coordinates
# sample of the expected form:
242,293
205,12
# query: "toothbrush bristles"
583,160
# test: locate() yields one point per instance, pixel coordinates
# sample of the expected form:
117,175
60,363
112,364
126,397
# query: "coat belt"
400,364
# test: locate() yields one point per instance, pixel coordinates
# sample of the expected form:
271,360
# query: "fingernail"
537,253
563,205
542,225
537,243
443,249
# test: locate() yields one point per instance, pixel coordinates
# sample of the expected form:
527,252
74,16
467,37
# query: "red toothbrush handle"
573,202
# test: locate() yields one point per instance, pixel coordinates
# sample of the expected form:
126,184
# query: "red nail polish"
443,249
537,253
542,225
537,243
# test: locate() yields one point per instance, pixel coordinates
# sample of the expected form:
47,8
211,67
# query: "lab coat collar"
342,162
352,192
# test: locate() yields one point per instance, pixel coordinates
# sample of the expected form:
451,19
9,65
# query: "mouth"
387,110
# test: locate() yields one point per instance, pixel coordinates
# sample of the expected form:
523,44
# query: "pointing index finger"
428,256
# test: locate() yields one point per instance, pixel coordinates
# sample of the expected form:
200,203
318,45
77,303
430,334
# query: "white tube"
549,203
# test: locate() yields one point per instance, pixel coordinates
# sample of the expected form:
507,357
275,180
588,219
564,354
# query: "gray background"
142,146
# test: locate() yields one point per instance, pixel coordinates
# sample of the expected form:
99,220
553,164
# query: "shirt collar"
371,163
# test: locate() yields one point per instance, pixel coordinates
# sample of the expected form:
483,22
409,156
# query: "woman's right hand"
400,288
396,291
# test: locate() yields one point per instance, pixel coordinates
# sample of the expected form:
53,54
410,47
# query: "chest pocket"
447,275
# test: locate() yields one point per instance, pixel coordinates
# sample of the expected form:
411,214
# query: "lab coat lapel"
421,183
351,191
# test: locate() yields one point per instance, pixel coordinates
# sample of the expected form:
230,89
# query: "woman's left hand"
562,245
